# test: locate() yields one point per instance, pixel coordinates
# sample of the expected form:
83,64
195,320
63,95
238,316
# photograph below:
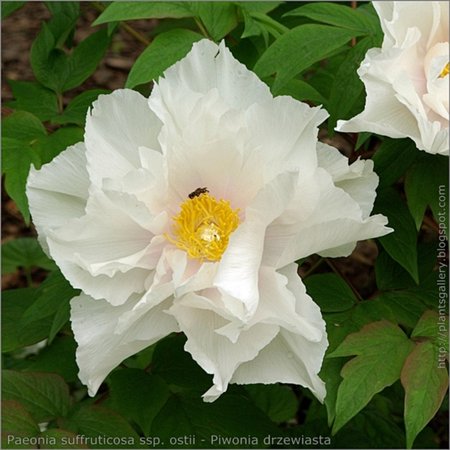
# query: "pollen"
445,71
203,226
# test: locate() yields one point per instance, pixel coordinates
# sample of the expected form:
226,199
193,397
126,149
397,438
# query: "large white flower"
407,80
186,211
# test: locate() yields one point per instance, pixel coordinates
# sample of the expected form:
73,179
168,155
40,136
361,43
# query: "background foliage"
386,369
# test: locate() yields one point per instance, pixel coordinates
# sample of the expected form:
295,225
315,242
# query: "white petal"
336,223
116,126
58,191
106,253
216,354
284,132
357,179
237,274
100,349
207,66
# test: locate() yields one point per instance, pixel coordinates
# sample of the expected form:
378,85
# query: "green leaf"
261,7
401,245
118,11
165,50
44,395
76,110
425,382
22,126
54,291
95,421
330,373
259,24
26,253
433,325
382,349
59,358
59,71
339,16
59,320
347,86
392,159
230,416
330,292
34,98
65,15
50,146
298,49
219,18
83,61
9,7
177,367
138,396
17,424
14,335
422,185
278,402
301,91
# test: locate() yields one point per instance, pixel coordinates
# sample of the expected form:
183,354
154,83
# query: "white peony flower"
407,80
187,211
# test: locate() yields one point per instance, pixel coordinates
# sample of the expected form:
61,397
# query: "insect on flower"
199,191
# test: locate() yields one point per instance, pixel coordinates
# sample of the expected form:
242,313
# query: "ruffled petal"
296,354
100,348
58,192
116,127
237,274
216,354
334,225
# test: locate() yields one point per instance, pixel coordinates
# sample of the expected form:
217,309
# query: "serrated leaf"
330,292
392,159
219,18
338,15
165,50
118,11
44,395
14,336
382,349
95,421
422,185
298,49
425,382
75,112
17,424
401,245
278,402
138,395
34,98
26,253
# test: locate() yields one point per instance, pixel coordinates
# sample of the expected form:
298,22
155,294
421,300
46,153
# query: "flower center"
203,226
445,71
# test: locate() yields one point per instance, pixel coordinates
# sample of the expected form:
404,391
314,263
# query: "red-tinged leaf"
425,380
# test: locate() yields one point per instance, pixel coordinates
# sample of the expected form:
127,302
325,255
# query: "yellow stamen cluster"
203,227
445,71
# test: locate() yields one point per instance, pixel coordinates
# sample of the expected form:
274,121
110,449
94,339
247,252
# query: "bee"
197,192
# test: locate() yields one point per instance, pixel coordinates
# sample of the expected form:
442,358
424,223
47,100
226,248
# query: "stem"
128,28
202,28
337,272
313,267
60,103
